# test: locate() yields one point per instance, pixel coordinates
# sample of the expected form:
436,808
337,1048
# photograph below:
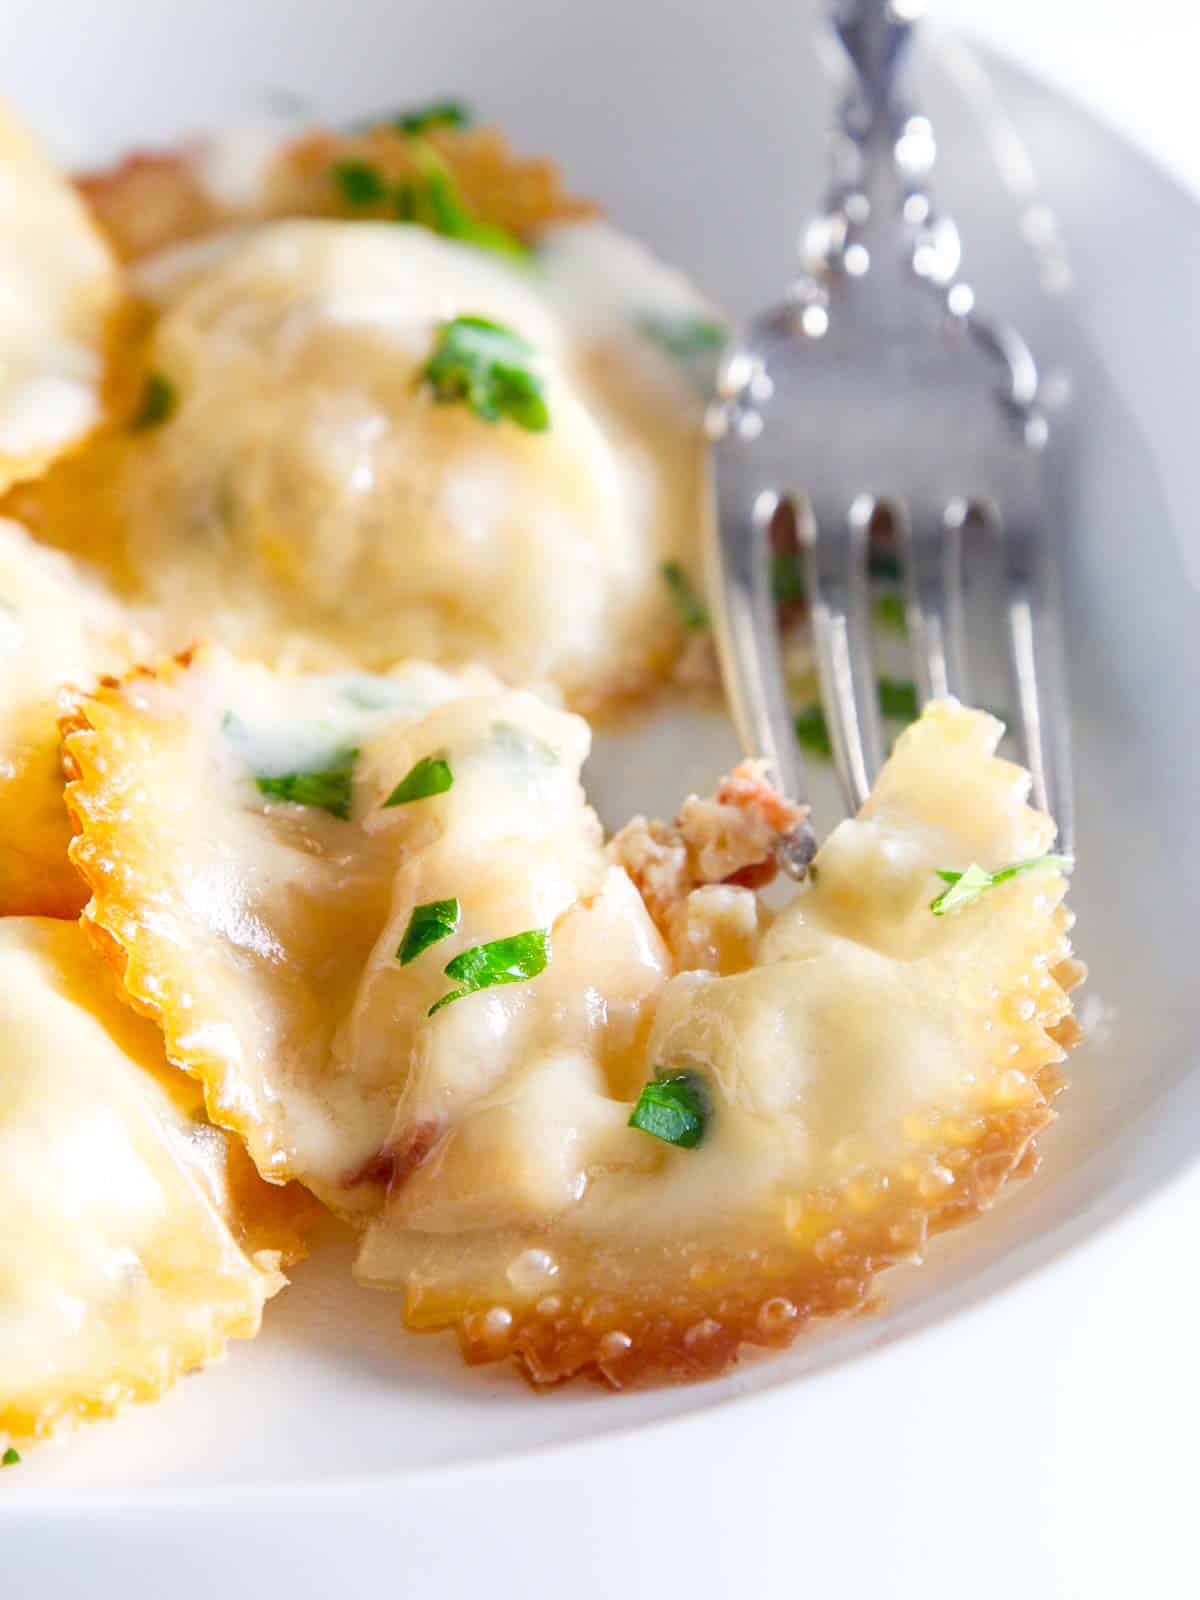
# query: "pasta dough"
137,1239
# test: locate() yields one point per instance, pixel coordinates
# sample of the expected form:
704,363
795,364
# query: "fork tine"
747,635
1036,659
931,551
839,602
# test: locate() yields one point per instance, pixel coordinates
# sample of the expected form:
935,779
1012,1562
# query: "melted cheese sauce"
310,503
136,1237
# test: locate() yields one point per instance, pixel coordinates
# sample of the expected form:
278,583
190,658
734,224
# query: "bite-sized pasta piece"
59,292
57,626
137,1239
575,1142
833,1085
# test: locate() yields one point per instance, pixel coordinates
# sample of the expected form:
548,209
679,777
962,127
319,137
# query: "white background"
1133,61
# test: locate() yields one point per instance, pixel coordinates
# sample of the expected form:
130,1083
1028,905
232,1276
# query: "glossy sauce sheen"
309,502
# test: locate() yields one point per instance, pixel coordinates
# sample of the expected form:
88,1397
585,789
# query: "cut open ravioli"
56,627
863,1070
137,1238
59,288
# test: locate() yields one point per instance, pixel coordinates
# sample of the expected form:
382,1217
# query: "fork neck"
883,150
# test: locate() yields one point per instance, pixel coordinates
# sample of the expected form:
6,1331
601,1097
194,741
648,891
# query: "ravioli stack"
317,922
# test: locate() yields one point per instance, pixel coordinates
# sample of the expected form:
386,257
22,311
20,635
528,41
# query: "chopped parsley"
329,788
683,336
438,114
883,562
404,202
157,404
489,367
889,611
787,576
441,204
812,731
898,699
432,198
674,1108
431,775
10,1458
693,613
358,183
976,880
433,921
484,966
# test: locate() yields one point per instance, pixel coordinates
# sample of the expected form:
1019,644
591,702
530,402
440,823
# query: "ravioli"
292,486
137,1238
871,1072
245,921
59,291
56,627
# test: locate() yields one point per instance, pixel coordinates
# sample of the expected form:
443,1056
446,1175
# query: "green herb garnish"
157,404
889,611
898,699
10,1458
329,788
674,1108
683,336
489,367
693,613
433,921
484,966
883,562
787,576
358,183
442,205
438,114
812,731
431,775
976,880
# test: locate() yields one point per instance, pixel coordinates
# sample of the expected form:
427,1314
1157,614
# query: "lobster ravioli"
368,434
601,1109
137,1238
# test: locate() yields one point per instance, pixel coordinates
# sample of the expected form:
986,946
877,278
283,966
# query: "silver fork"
876,384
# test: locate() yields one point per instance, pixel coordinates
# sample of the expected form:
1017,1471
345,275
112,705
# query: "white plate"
881,1457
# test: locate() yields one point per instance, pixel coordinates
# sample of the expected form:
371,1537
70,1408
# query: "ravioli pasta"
873,1072
137,1238
56,627
246,922
305,498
